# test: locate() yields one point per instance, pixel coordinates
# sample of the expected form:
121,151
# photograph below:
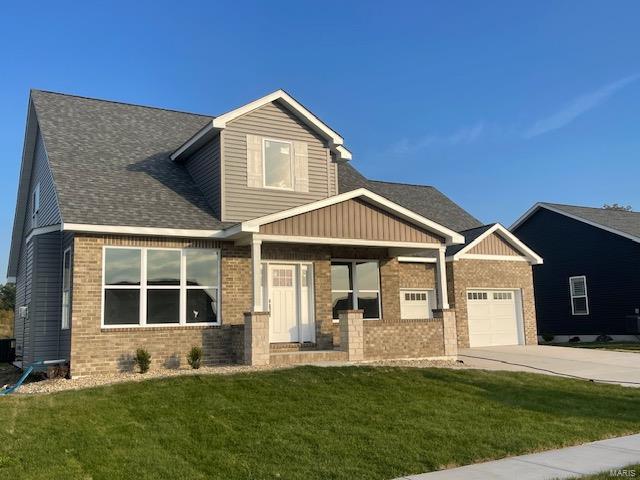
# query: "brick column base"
352,334
256,338
450,335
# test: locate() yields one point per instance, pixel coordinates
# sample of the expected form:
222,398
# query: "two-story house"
248,234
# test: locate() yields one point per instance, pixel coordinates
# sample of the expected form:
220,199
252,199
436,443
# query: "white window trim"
264,164
420,290
585,296
66,313
143,287
354,282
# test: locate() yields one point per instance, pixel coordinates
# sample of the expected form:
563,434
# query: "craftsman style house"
248,234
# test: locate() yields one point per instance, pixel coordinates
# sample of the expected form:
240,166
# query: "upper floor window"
278,164
579,298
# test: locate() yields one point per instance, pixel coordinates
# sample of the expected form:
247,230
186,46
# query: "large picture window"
278,164
355,284
156,286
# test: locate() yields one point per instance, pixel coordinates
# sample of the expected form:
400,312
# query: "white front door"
493,317
283,321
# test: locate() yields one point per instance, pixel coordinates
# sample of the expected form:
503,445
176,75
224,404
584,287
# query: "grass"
304,423
619,346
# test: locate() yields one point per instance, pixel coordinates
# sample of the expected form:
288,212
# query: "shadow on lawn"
548,395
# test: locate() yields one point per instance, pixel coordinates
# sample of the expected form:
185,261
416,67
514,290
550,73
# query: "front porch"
327,282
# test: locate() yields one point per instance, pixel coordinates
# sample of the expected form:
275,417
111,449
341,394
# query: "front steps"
305,357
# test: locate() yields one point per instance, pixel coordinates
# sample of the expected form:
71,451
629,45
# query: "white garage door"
493,317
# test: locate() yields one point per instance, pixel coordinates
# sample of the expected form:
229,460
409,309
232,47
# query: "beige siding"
494,244
354,219
274,121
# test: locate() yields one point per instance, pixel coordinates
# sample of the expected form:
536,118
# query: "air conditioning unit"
23,311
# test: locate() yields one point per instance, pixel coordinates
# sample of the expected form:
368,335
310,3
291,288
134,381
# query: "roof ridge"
401,183
118,102
590,208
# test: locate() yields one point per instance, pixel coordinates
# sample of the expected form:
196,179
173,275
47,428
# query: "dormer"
266,156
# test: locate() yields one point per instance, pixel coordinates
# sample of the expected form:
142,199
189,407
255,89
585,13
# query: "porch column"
256,272
441,280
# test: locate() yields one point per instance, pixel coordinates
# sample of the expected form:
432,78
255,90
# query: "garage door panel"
492,318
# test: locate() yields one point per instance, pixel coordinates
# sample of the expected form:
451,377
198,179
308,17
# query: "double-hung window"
157,286
35,204
66,289
278,164
579,298
355,284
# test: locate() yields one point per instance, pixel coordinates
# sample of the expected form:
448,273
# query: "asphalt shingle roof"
423,199
111,166
469,236
623,221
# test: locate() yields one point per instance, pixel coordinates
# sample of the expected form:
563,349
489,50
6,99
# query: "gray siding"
38,264
274,121
204,168
46,304
49,213
23,298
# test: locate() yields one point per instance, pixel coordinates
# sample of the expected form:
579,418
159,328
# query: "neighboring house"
588,284
144,227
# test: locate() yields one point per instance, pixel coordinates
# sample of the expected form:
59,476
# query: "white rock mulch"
89,381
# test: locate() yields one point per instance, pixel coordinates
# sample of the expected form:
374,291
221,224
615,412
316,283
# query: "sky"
498,104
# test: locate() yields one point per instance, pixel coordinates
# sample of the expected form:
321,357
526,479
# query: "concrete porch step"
306,357
292,347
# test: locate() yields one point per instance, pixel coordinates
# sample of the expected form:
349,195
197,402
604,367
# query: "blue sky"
498,104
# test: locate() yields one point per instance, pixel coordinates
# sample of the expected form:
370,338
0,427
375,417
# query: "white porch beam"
441,280
256,272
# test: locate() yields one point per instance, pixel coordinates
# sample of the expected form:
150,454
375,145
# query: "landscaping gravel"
89,381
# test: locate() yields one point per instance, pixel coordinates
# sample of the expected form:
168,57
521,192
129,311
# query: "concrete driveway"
599,365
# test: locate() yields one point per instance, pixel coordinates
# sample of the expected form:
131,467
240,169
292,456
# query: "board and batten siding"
353,219
204,167
494,244
276,122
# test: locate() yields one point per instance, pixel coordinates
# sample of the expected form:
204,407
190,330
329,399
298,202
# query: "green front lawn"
304,423
620,346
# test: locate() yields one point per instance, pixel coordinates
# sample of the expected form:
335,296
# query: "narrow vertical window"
202,274
35,204
66,289
579,298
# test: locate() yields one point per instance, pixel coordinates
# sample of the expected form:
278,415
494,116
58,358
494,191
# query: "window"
278,164
35,204
476,295
579,298
417,304
66,289
502,295
155,286
356,285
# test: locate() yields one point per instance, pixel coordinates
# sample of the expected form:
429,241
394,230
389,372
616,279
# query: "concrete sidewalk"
571,462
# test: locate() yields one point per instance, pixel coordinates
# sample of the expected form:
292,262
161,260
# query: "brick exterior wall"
95,350
403,339
464,274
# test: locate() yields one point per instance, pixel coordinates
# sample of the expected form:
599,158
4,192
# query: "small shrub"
194,358
574,339
547,337
142,360
604,338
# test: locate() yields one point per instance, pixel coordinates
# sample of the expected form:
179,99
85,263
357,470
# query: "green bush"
142,360
194,358
548,337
